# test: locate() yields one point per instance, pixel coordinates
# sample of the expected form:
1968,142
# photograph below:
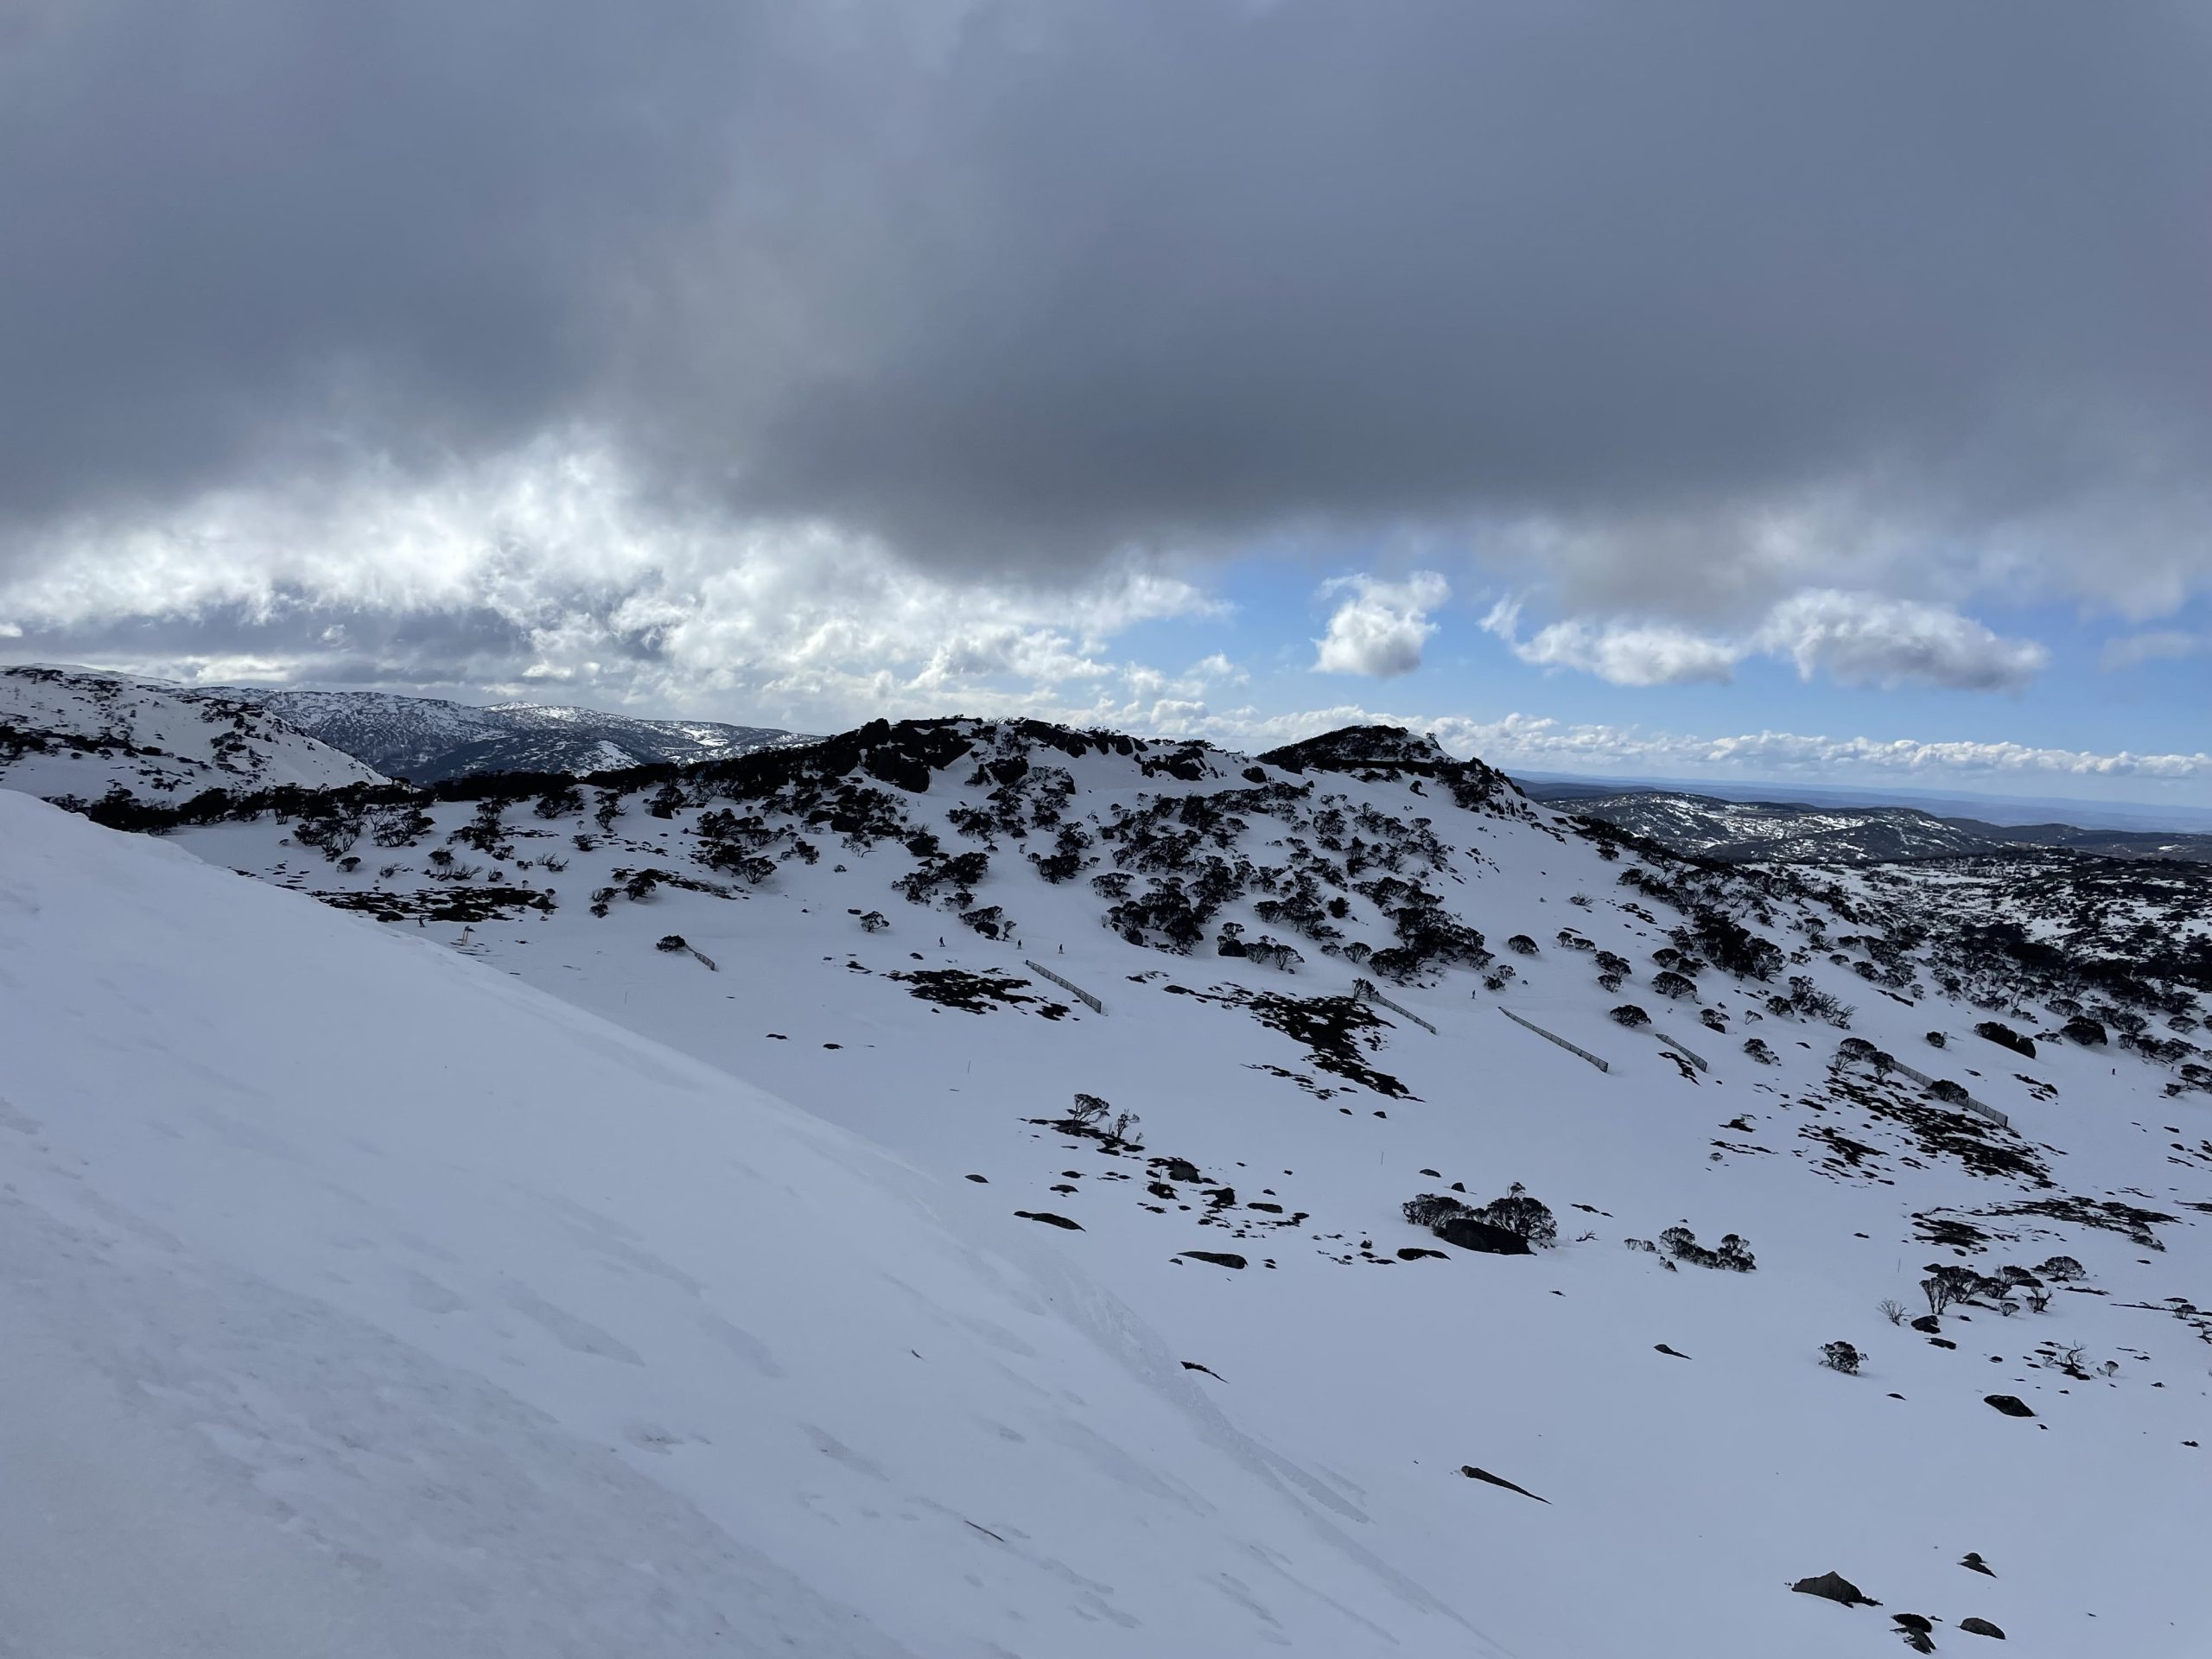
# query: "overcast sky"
1769,389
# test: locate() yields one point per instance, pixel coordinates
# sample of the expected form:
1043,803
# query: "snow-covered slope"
360,1300
850,926
77,733
428,738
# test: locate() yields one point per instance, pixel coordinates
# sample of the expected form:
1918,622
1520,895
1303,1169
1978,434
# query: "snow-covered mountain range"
1794,832
436,1224
79,734
427,739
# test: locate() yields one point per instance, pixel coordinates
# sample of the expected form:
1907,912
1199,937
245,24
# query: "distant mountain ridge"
428,739
76,733
1796,832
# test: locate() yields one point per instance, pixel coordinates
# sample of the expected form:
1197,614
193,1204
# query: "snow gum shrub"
1734,1254
1947,1284
1950,1093
1066,860
1516,1212
2063,1269
563,801
487,832
333,828
1937,1039
1726,942
2085,1031
1756,1048
608,809
1669,983
1840,1357
1631,1016
1429,1208
2004,1036
401,826
1712,1020
1521,945
673,943
665,800
1808,999
1093,1116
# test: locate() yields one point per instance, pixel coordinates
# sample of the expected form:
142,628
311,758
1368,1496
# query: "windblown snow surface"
435,1278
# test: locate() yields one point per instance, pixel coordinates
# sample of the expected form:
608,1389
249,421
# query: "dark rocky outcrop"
1470,1233
1219,1258
1833,1587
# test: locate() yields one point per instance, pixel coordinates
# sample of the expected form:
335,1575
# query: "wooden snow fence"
1969,1103
1069,986
1684,1049
1363,990
1553,1037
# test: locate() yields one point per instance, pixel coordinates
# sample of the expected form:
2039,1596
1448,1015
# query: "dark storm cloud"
1023,281
429,651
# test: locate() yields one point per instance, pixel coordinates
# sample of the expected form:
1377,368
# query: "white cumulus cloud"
1854,638
1866,639
1379,628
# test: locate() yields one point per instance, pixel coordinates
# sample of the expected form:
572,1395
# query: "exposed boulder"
1833,1587
1470,1233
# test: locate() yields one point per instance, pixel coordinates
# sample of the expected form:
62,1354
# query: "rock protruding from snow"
1833,1587
1389,753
